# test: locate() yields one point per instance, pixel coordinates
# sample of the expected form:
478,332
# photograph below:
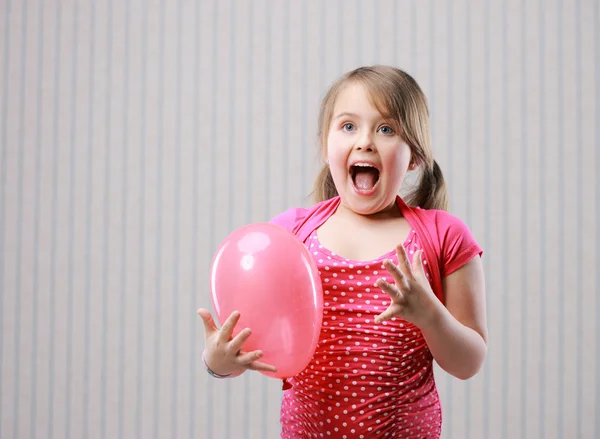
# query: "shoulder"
445,223
290,217
455,238
299,220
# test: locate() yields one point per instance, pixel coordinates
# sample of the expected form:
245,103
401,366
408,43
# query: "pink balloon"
268,275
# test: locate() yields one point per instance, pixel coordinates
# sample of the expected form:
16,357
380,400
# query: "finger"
245,358
256,365
403,262
386,315
209,323
228,326
235,345
418,268
248,360
396,273
392,290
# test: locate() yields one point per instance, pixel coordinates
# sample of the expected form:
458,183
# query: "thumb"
209,323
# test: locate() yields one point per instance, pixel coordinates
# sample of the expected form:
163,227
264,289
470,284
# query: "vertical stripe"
72,183
397,28
231,142
267,160
580,214
449,173
175,291
4,147
124,208
432,66
195,218
37,221
506,305
487,234
107,215
524,226
212,185
88,222
449,408
304,88
413,33
543,235
159,219
249,188
141,227
450,88
322,46
596,39
176,228
53,226
377,31
286,103
469,176
358,33
560,382
340,35
19,243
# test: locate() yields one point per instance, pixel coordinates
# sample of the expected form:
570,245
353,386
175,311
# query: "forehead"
356,99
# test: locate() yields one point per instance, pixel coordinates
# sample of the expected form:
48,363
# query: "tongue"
365,179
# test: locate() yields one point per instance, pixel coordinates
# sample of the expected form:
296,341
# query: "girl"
388,312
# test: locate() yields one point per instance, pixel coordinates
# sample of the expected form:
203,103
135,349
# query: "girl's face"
367,157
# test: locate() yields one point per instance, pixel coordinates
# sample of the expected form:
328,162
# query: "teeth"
364,165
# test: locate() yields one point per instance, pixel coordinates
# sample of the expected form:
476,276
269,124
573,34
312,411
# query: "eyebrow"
345,115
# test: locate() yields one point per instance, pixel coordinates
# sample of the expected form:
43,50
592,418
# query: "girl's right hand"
223,354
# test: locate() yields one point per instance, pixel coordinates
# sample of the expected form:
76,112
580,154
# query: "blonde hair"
398,96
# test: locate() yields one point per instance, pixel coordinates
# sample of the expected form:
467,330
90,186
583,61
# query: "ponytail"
324,188
431,193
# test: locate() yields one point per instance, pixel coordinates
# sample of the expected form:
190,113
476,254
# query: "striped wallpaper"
134,136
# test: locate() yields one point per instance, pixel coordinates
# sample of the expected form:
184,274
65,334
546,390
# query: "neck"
390,212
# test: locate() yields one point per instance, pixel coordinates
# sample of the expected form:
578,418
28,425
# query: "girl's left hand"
412,297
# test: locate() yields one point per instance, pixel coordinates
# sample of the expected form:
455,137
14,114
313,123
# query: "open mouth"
364,176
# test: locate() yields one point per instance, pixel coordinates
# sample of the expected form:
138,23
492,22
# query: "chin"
368,207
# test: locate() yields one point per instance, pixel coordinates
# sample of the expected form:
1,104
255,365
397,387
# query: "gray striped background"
136,135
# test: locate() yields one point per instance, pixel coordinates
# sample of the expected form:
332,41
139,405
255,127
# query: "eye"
348,126
387,130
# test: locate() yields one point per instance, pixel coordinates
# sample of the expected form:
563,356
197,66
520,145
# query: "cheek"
398,162
334,151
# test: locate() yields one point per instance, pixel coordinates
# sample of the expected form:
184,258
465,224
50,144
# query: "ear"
412,166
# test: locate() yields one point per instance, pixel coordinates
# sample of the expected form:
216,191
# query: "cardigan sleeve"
458,245
288,218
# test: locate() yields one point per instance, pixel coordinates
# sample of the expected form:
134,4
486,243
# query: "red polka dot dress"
365,380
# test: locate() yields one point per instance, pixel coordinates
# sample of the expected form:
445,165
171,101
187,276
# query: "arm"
457,334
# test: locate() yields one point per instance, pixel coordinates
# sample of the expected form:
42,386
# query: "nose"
365,142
